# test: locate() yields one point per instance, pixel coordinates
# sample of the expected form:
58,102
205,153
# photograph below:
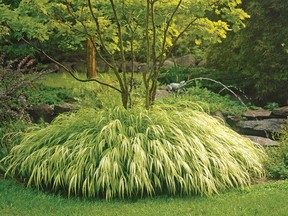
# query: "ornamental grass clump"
134,153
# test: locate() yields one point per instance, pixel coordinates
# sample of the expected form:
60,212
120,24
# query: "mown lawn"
262,199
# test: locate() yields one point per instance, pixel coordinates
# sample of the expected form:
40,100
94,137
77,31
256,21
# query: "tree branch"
69,71
179,36
168,24
120,35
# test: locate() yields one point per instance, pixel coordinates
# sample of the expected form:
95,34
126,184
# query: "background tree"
120,29
258,54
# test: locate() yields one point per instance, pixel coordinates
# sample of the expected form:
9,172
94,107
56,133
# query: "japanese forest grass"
118,153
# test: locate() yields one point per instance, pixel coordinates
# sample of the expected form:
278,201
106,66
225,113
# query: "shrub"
127,153
11,83
277,164
15,87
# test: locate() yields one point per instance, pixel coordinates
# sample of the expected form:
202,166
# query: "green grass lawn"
262,199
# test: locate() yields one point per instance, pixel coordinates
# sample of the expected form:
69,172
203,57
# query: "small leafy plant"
271,106
173,74
277,164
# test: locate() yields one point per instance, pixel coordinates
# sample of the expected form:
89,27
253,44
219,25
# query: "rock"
262,141
52,67
47,113
101,66
62,108
260,122
219,115
161,93
129,67
233,120
42,111
281,112
257,114
168,64
142,67
186,61
80,66
202,63
263,128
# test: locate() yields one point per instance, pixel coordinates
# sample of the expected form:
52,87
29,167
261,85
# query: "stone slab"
281,112
263,141
257,114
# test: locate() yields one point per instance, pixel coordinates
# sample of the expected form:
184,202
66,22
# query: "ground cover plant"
42,94
277,165
208,101
133,153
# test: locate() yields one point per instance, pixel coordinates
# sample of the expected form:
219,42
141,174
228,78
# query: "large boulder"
129,67
161,93
62,108
69,65
186,61
263,128
40,112
142,67
47,112
168,64
281,112
265,142
80,66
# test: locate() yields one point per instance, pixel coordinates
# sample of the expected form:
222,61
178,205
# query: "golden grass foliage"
125,153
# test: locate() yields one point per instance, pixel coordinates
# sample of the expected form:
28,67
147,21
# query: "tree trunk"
91,60
125,99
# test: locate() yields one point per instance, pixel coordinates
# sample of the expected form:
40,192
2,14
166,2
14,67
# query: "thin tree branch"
168,24
132,30
120,35
179,36
146,82
154,73
96,21
114,67
69,71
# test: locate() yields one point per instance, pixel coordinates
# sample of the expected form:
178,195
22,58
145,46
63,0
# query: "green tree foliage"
125,29
259,52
